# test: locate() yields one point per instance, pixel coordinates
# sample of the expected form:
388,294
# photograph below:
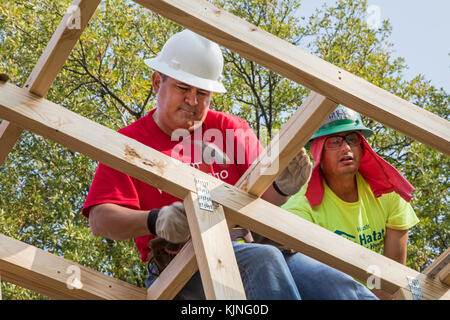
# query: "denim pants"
268,274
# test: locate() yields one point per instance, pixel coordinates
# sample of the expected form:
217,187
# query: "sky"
420,34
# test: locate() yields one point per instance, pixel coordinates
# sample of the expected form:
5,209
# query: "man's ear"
156,81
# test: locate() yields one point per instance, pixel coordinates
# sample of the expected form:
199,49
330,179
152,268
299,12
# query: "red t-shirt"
228,133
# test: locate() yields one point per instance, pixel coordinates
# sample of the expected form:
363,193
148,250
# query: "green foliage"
43,185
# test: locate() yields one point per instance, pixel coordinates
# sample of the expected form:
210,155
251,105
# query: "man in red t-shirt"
120,207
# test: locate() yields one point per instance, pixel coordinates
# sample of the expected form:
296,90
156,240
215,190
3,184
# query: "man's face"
179,104
343,160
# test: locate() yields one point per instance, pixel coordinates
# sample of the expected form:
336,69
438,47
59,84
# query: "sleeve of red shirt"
111,186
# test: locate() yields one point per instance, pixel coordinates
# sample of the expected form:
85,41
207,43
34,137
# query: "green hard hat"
340,120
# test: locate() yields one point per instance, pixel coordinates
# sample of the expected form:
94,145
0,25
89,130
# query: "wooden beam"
298,65
440,268
286,145
9,133
150,166
55,277
444,276
50,63
215,255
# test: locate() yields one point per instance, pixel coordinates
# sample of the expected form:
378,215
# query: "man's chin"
349,169
189,123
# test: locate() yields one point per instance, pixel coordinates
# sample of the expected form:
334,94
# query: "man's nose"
345,145
191,97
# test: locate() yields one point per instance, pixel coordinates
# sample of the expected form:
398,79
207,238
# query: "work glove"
170,223
295,175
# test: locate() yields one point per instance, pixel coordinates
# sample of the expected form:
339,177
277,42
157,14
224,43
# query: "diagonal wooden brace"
9,133
286,145
175,275
215,255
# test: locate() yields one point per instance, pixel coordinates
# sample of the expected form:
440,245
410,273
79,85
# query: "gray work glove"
295,175
170,223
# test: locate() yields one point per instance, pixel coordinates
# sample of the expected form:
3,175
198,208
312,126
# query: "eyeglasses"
353,139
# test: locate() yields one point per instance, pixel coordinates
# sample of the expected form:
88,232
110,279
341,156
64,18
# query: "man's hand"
171,223
296,174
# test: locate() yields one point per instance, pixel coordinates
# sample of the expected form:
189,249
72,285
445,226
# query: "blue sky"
420,34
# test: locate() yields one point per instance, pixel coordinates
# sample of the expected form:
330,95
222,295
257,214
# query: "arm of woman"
395,244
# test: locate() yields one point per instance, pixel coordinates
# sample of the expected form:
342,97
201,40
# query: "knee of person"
269,252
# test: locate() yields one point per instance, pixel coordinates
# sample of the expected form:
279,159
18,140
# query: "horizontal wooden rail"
150,166
58,278
298,65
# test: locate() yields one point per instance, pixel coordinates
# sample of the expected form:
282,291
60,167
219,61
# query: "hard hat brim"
180,75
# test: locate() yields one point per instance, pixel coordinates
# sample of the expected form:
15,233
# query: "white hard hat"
192,59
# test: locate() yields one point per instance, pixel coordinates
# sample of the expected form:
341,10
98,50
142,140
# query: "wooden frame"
285,146
237,204
150,166
220,274
314,73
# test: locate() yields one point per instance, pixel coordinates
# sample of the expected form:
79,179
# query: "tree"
43,185
268,98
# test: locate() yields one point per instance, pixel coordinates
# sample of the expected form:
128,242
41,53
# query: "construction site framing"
210,249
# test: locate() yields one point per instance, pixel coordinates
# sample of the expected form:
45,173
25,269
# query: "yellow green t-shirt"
364,221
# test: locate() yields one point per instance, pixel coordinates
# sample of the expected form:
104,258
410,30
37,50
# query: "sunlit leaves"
43,185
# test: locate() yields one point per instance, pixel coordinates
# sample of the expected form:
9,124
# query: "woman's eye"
335,141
